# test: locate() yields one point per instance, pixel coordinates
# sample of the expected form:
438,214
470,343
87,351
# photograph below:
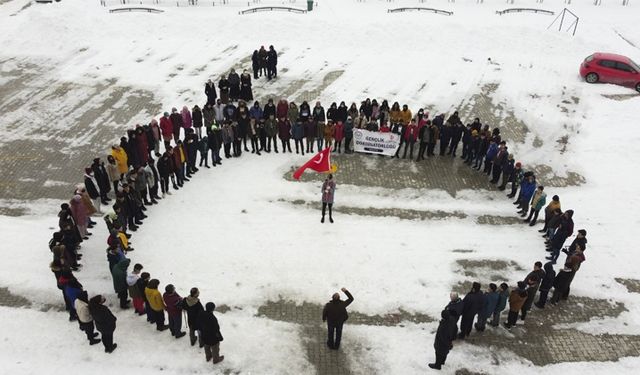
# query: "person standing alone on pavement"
335,314
328,190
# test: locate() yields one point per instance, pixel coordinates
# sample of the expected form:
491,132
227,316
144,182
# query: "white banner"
375,143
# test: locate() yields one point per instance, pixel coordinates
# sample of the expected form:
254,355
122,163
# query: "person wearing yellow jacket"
156,303
120,155
548,212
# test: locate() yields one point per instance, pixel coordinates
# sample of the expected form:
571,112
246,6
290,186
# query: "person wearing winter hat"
211,336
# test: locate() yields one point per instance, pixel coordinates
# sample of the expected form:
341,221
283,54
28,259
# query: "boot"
94,341
220,359
111,349
435,366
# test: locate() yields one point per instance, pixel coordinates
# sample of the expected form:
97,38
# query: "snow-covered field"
228,233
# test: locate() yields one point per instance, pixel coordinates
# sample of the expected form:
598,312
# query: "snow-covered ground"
227,233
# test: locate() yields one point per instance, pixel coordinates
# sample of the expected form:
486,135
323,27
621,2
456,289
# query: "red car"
611,68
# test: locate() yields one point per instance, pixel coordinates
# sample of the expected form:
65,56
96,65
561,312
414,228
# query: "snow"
201,236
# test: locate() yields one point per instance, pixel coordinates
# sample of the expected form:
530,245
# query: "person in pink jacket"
80,215
338,136
186,118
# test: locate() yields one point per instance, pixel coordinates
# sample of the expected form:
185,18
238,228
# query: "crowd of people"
139,172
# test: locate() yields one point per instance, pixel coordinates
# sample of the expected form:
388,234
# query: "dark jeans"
466,324
441,357
275,144
164,183
512,318
543,298
212,352
324,209
286,145
158,318
495,321
421,150
123,298
533,215
88,329
193,338
334,334
408,147
107,339
347,143
175,323
301,144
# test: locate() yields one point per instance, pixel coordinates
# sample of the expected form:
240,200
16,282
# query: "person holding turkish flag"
320,163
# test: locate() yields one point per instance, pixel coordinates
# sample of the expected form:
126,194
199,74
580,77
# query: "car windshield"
589,58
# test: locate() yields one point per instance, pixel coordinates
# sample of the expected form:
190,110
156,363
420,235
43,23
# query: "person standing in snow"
533,280
335,314
224,86
545,286
211,336
455,306
210,91
527,189
446,333
173,302
134,291
234,85
246,93
328,192
472,304
548,212
104,320
537,202
156,303
272,62
119,274
84,317
503,297
491,298
517,298
194,308
564,230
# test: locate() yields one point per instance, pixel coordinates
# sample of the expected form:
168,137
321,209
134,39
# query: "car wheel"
591,78
638,87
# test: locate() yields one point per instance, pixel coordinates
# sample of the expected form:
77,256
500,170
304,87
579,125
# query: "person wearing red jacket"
338,136
142,146
282,110
410,137
173,301
166,128
384,128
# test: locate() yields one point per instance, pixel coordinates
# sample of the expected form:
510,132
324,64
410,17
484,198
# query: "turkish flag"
319,163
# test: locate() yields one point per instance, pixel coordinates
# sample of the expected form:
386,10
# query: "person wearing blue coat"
490,302
297,131
528,188
256,112
492,151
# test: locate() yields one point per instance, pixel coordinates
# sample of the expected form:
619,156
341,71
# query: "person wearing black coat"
444,337
446,132
533,280
272,62
335,314
473,303
234,85
104,320
255,64
210,331
102,178
456,135
546,284
210,91
224,85
193,307
269,110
